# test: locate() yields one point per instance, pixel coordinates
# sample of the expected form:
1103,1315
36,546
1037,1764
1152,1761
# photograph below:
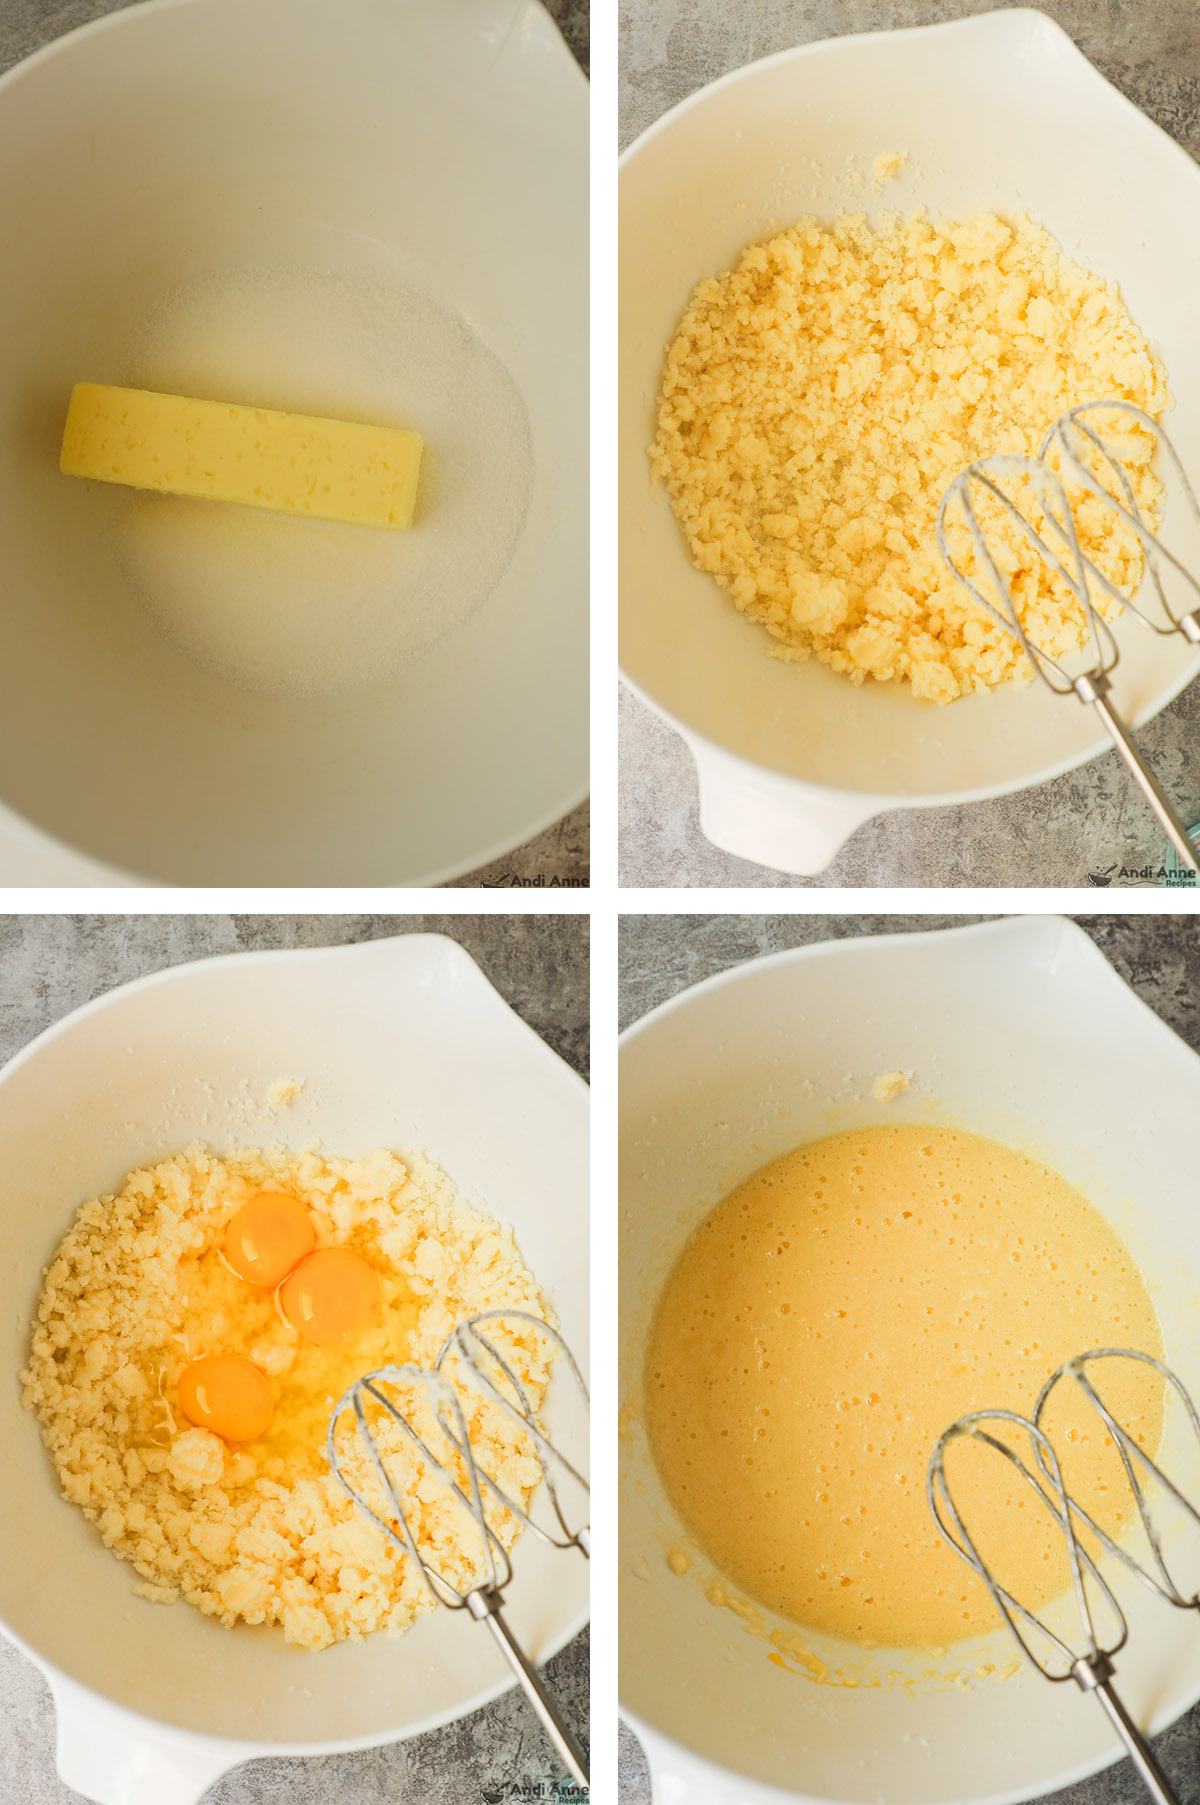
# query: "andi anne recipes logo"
1161,877
554,1791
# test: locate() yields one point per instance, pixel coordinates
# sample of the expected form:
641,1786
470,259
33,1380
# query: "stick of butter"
331,469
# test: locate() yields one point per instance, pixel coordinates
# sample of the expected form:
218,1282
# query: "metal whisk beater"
1102,1625
468,1344
469,1361
1080,449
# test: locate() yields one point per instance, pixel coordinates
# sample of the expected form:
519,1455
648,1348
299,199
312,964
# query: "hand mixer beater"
1161,1507
434,1451
1031,494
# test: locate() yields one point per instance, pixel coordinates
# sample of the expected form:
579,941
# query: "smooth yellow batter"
830,1318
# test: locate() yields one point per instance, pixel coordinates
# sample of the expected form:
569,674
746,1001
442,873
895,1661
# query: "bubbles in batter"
829,1319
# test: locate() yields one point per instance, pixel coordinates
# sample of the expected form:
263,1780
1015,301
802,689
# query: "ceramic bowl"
997,113
429,146
401,1043
1020,1030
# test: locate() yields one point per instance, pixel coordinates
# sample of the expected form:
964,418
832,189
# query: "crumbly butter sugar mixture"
819,398
139,1294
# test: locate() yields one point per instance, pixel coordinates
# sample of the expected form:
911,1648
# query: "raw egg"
228,1394
331,1294
269,1235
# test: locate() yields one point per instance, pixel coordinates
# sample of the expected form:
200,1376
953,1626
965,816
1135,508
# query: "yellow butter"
330,469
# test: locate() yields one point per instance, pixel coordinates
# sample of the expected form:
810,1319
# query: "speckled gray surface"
25,25
49,965
1158,955
574,21
557,859
1057,834
560,856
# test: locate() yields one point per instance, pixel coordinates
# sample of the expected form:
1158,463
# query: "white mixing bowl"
435,143
402,1043
997,113
1017,1029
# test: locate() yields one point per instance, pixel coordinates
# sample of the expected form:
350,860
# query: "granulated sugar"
308,608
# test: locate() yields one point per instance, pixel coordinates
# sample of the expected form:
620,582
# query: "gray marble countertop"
51,964
1158,956
1053,835
560,855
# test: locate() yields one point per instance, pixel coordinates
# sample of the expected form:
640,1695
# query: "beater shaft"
484,1606
1138,1749
1168,819
483,1602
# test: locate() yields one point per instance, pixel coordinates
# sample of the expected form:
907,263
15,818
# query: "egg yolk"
331,1294
228,1394
269,1235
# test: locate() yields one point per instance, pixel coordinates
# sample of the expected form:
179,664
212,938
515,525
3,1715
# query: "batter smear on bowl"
819,398
829,1319
195,1330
